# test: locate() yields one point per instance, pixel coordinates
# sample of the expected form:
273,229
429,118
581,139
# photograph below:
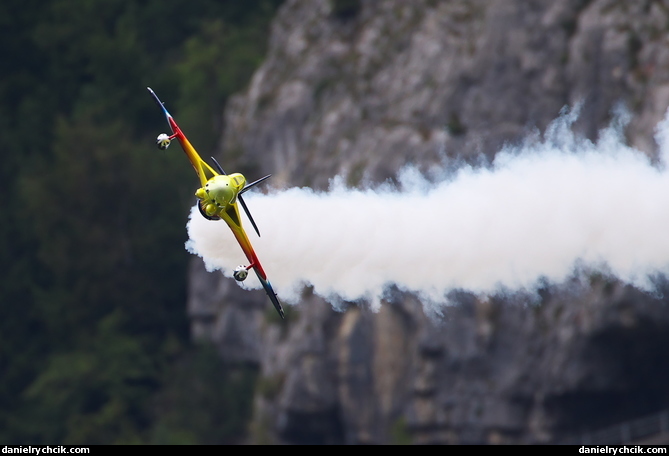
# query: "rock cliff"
362,88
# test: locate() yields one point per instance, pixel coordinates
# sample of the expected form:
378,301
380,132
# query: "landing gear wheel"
240,274
163,141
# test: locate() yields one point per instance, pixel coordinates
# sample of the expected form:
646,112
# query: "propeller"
218,167
246,209
241,200
248,186
239,196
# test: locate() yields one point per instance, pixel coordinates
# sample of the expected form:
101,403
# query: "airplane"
217,199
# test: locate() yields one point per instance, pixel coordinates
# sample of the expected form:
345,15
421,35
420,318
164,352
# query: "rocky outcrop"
362,88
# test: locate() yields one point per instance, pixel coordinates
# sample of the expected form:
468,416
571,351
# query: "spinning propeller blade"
218,167
241,200
246,209
239,196
248,186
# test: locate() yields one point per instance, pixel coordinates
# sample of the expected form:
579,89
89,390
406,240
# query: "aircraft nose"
221,192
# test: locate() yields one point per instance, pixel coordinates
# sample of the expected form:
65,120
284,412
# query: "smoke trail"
540,210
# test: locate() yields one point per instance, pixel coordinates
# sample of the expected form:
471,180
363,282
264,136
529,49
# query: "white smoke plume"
538,212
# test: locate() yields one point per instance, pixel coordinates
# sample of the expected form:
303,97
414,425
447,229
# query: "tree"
93,298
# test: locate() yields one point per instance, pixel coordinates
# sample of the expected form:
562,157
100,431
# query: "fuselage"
219,199
220,192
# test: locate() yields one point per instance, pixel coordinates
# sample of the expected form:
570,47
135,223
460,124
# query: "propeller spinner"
219,168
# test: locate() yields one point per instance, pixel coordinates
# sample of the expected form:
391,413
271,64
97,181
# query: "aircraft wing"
160,104
270,292
201,167
245,244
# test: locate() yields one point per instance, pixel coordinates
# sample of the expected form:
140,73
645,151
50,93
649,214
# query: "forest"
94,339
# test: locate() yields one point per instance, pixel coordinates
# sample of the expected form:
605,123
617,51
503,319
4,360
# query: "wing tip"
280,310
272,296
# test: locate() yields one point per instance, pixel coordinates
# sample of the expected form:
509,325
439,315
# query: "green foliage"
92,296
270,387
94,393
216,62
399,433
205,401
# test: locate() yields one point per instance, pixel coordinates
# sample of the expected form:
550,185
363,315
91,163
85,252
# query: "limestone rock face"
362,88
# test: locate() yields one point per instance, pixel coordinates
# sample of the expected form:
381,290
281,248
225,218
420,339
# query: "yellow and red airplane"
217,199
